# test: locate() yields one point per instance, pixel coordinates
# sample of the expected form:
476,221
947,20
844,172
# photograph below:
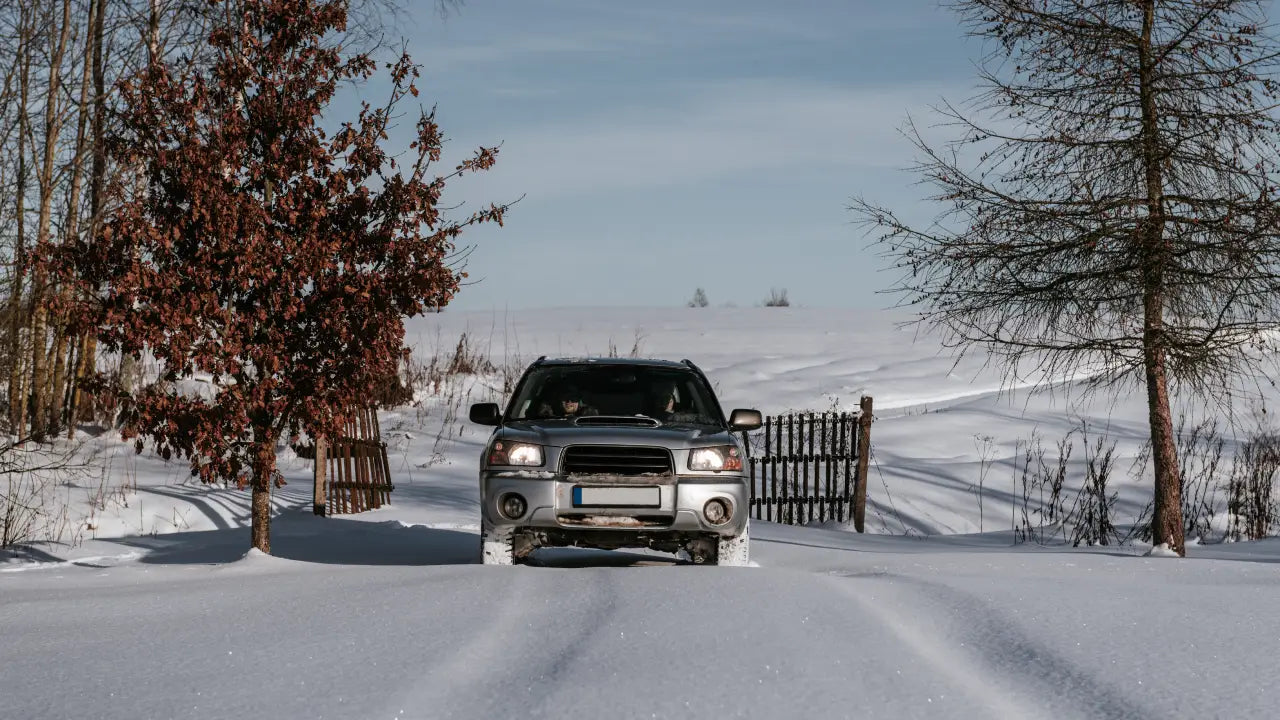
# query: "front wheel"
735,551
495,546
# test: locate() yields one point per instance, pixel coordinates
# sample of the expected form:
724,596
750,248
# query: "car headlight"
515,453
724,457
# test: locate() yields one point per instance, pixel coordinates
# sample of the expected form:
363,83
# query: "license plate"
617,497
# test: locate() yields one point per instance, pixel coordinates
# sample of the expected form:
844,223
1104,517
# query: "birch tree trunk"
60,380
39,309
97,177
17,378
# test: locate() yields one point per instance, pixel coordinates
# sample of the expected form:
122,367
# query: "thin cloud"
728,131
531,48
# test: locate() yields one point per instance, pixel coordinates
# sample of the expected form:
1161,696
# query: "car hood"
562,433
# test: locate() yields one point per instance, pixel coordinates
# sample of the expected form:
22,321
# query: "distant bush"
699,299
635,345
777,298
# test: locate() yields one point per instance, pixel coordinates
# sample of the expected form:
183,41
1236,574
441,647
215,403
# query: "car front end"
612,491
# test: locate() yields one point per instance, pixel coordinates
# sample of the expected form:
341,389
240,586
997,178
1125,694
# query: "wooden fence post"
319,503
864,455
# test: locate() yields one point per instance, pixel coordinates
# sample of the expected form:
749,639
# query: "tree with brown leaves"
270,258
1110,203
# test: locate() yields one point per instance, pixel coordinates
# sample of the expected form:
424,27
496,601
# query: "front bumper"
549,504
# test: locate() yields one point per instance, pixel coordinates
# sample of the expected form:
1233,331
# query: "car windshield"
669,395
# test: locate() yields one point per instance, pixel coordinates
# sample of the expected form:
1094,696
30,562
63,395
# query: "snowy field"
153,608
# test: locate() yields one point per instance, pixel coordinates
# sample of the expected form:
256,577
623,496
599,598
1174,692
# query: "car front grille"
616,460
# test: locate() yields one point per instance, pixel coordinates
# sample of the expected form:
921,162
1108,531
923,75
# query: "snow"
1161,550
161,610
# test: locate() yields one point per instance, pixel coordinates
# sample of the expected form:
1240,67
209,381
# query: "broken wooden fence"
351,471
807,467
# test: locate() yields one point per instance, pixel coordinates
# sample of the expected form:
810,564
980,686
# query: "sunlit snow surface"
163,612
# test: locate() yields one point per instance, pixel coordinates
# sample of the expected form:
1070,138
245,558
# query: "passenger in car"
669,408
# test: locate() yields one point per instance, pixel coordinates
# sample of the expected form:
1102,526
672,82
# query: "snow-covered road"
830,625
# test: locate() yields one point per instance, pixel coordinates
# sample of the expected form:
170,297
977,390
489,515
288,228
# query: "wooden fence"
351,472
811,467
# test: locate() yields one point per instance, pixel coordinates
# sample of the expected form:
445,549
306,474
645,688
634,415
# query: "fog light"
513,506
717,512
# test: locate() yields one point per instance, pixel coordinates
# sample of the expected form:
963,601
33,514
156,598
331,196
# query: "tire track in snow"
464,670
599,613
504,654
977,648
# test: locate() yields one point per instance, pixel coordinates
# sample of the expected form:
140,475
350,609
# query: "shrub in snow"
1092,512
1239,506
1251,505
1041,501
31,508
1199,459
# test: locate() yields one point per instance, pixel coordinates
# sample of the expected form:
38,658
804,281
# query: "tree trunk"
39,311
39,348
264,470
23,390
128,373
58,387
153,31
1166,520
320,501
17,319
61,364
89,351
73,385
84,407
75,347
99,171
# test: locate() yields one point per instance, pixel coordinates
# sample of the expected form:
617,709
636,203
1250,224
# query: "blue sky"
665,146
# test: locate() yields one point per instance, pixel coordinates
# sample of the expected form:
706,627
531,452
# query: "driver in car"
566,402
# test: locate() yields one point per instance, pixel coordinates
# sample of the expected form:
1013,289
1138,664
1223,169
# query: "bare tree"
1110,202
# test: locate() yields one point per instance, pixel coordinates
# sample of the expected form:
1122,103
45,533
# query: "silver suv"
614,453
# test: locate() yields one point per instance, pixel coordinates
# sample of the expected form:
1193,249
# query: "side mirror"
742,419
486,414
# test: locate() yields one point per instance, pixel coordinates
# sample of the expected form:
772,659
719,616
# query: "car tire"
495,546
735,551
